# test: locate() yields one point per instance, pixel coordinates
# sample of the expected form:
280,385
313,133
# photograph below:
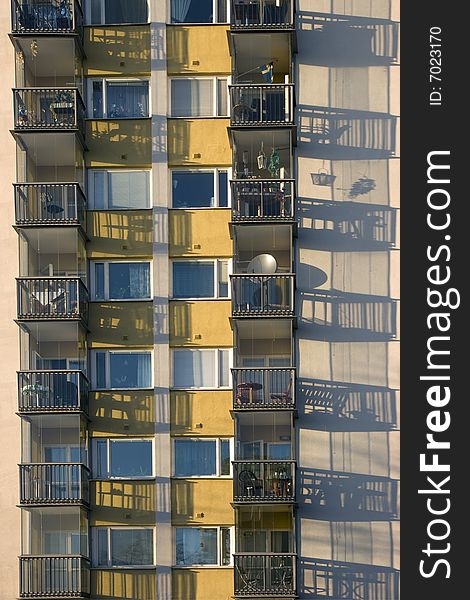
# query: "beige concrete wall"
9,351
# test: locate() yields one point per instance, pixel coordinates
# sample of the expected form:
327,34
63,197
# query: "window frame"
107,262
104,80
215,95
107,352
126,440
216,370
219,529
94,546
103,15
216,262
218,464
91,188
216,171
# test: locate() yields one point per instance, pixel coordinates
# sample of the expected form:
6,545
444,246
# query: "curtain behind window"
128,190
194,368
126,11
193,280
129,280
191,11
195,546
127,99
131,547
195,457
192,97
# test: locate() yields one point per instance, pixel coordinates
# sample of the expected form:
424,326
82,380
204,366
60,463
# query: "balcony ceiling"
254,50
47,57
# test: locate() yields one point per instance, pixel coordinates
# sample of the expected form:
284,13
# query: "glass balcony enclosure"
262,153
49,204
261,14
262,200
264,436
263,342
251,242
46,16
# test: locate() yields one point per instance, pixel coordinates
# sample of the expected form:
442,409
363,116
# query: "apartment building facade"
200,309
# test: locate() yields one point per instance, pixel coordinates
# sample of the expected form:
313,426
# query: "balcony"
52,391
262,200
46,16
261,575
48,109
53,483
262,295
261,14
54,576
257,482
49,204
263,389
267,105
52,298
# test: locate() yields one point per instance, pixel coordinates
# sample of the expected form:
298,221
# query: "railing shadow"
115,45
118,412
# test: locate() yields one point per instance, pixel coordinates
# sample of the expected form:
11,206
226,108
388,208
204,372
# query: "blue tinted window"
130,370
129,281
193,279
130,459
195,457
193,189
192,11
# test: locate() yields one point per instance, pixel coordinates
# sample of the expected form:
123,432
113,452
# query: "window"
201,457
118,99
199,189
122,458
118,190
198,97
102,12
199,11
200,279
208,368
121,370
120,280
198,546
123,547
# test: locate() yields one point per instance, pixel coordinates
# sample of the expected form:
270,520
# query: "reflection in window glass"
194,368
123,547
193,189
127,99
192,11
130,370
130,458
126,11
196,546
193,279
129,281
195,457
192,97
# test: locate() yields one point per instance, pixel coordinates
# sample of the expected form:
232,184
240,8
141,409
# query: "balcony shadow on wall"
120,233
177,40
340,406
179,142
123,585
122,323
182,499
112,142
121,412
124,502
180,233
181,330
184,585
109,46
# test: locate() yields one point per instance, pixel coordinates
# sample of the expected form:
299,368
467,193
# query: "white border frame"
104,80
106,263
217,440
215,171
108,528
90,188
216,262
215,103
127,440
107,352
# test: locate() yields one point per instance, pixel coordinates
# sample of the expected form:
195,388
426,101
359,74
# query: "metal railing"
262,199
51,109
49,204
268,104
54,576
53,483
264,481
260,14
46,16
263,388
262,295
52,298
262,574
52,391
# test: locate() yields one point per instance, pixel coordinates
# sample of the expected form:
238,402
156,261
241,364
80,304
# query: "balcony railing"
53,483
262,295
262,14
264,574
52,391
54,576
262,105
264,481
48,109
263,388
46,16
52,298
49,204
261,200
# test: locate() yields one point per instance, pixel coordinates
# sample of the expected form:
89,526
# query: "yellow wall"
122,503
117,50
200,323
193,497
209,408
122,413
119,143
191,49
119,234
125,584
202,584
200,233
199,142
120,324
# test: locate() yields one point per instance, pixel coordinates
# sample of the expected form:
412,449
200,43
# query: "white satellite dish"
263,264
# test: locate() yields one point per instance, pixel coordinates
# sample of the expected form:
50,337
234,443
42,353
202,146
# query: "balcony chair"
282,398
250,485
245,394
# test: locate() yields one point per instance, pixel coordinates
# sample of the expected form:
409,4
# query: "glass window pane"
127,99
129,189
101,459
225,457
131,458
101,547
98,186
192,98
55,455
128,281
223,189
225,546
223,278
193,279
100,358
130,370
221,97
97,100
224,371
195,457
192,11
193,368
196,546
95,11
131,547
99,281
193,189
126,11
